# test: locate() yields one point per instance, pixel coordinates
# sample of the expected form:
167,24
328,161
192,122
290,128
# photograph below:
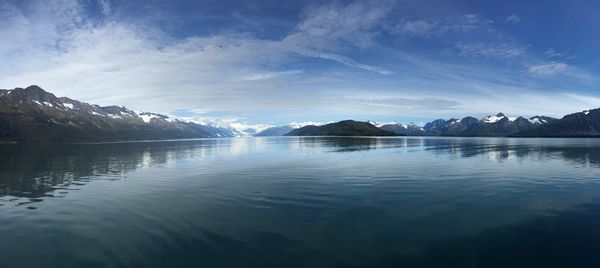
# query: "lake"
302,202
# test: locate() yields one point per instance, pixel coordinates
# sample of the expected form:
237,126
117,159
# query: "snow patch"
586,112
95,113
389,123
247,129
114,116
148,117
537,120
38,103
69,106
493,119
48,104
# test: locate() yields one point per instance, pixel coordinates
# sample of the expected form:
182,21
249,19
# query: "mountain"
275,131
540,120
34,115
451,127
408,130
342,128
583,124
498,125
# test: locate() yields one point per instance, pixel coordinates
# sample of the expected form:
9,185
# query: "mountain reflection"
32,171
502,149
37,171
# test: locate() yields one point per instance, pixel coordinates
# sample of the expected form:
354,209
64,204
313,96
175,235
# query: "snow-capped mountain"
285,129
500,116
238,129
491,125
541,119
34,115
410,129
582,124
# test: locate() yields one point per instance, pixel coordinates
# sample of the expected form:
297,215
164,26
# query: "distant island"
33,115
342,128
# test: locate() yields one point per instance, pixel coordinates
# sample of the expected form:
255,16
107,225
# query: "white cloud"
514,19
296,124
112,62
344,60
141,67
270,75
328,29
547,69
416,28
105,6
489,50
249,128
551,53
409,104
15,25
436,27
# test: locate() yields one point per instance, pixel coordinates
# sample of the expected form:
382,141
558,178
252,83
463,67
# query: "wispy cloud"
114,62
436,27
489,50
551,53
105,6
514,19
420,28
548,69
344,60
328,29
407,104
305,68
270,75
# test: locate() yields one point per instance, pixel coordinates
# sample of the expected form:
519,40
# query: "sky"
275,62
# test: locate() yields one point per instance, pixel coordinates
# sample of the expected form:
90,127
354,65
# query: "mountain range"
582,124
34,115
498,125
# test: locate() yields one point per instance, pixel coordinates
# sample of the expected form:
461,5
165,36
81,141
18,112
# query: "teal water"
302,202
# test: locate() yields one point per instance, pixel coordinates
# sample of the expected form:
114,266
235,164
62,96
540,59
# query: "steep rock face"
435,127
34,115
451,127
583,124
342,128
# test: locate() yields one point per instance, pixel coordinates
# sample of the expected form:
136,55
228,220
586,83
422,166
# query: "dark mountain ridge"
498,125
342,128
582,124
33,115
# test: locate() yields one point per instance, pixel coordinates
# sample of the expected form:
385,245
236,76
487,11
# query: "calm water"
303,202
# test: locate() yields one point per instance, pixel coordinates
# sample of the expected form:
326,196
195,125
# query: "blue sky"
275,62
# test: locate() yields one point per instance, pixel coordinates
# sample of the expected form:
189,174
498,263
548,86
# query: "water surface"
302,202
